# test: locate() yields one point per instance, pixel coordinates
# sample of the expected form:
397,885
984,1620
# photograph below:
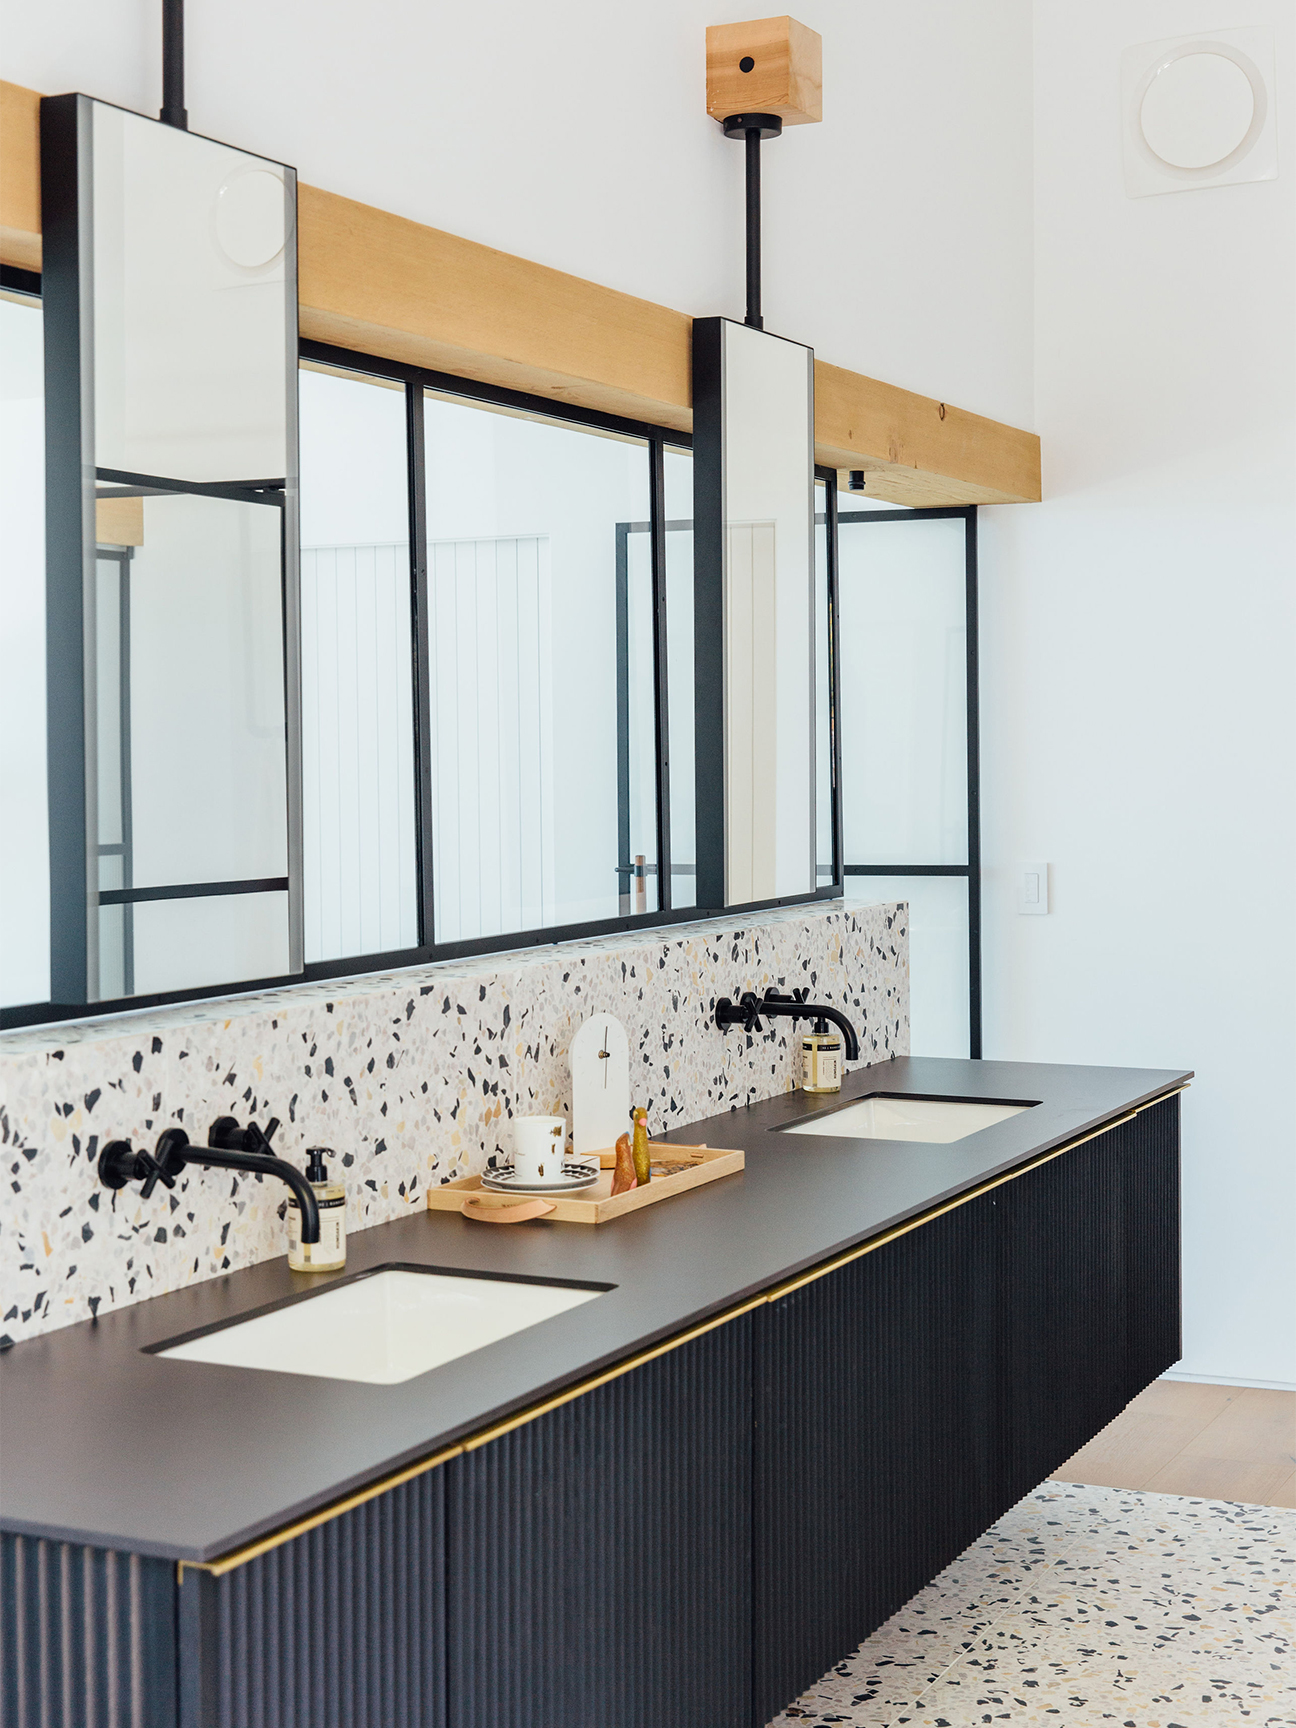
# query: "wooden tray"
682,1168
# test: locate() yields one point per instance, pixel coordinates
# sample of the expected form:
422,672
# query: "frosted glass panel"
359,855
904,691
193,334
680,673
768,598
529,523
181,944
938,956
24,813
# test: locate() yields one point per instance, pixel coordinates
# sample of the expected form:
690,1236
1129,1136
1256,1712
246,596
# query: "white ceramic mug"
539,1145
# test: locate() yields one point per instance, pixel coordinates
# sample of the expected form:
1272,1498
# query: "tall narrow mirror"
170,303
754,614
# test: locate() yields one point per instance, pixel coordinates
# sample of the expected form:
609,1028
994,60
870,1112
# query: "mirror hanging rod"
753,230
173,111
753,128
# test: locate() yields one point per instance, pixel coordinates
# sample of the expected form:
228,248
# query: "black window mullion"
625,863
421,648
973,791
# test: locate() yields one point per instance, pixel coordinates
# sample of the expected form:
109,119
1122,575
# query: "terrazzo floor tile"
1087,1605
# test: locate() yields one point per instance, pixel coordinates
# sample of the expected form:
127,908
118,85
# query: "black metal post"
753,317
661,704
974,791
625,864
834,683
174,112
752,128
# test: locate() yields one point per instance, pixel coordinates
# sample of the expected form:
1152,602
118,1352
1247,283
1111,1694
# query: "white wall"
575,132
1139,721
1137,632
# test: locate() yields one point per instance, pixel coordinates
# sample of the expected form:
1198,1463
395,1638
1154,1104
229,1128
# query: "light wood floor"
1210,1442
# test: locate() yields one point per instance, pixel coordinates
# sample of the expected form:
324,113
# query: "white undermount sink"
385,1327
934,1121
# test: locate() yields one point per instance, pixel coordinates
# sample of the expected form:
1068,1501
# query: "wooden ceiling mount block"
767,66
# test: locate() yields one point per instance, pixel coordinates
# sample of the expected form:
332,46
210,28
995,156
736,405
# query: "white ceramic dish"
574,1177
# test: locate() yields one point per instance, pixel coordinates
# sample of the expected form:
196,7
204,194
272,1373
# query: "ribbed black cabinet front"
687,1546
600,1557
343,1627
906,1400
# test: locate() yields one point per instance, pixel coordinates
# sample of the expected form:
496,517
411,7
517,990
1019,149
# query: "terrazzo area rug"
1088,1606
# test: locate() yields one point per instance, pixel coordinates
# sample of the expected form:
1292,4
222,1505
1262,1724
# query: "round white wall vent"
1198,112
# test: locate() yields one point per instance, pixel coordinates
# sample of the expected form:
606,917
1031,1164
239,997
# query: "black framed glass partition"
171,549
910,799
495,635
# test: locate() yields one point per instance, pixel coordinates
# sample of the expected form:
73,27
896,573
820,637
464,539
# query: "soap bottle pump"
821,1059
329,1253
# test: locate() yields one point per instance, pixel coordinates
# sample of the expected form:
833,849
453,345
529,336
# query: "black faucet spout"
796,1007
747,1010
175,1150
120,1164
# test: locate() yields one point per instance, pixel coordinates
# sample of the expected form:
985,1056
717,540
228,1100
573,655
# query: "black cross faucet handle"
256,1139
119,1164
226,1135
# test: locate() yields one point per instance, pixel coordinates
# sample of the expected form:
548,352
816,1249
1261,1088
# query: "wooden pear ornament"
624,1176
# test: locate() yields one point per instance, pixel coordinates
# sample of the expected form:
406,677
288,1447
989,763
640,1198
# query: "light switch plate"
1033,889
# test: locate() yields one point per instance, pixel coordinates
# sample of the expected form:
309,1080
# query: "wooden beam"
915,450
370,280
20,219
391,287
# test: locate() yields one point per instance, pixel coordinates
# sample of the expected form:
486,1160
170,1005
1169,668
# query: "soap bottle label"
821,1069
329,1253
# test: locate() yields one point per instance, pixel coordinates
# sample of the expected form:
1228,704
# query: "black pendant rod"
753,128
173,112
754,230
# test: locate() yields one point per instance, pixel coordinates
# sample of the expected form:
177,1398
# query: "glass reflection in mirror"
753,448
543,762
359,809
169,284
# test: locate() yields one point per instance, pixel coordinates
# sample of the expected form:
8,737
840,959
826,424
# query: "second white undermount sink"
932,1121
384,1327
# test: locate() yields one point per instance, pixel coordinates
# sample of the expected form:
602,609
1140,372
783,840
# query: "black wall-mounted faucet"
119,1164
746,1012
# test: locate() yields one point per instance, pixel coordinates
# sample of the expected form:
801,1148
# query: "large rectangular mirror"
170,308
754,614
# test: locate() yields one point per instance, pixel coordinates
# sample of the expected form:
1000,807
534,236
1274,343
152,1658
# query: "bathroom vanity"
739,1430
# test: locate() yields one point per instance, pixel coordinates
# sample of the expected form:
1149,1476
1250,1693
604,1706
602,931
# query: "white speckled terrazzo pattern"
411,1076
1089,1606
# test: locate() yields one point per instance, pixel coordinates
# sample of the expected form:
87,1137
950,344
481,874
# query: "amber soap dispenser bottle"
329,1253
821,1059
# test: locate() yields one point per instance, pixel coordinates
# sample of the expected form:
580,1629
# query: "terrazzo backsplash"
410,1076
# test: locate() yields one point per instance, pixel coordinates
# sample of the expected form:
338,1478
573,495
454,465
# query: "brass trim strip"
522,1417
241,1556
326,1515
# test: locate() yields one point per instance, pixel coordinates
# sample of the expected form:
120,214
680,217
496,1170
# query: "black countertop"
103,1444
